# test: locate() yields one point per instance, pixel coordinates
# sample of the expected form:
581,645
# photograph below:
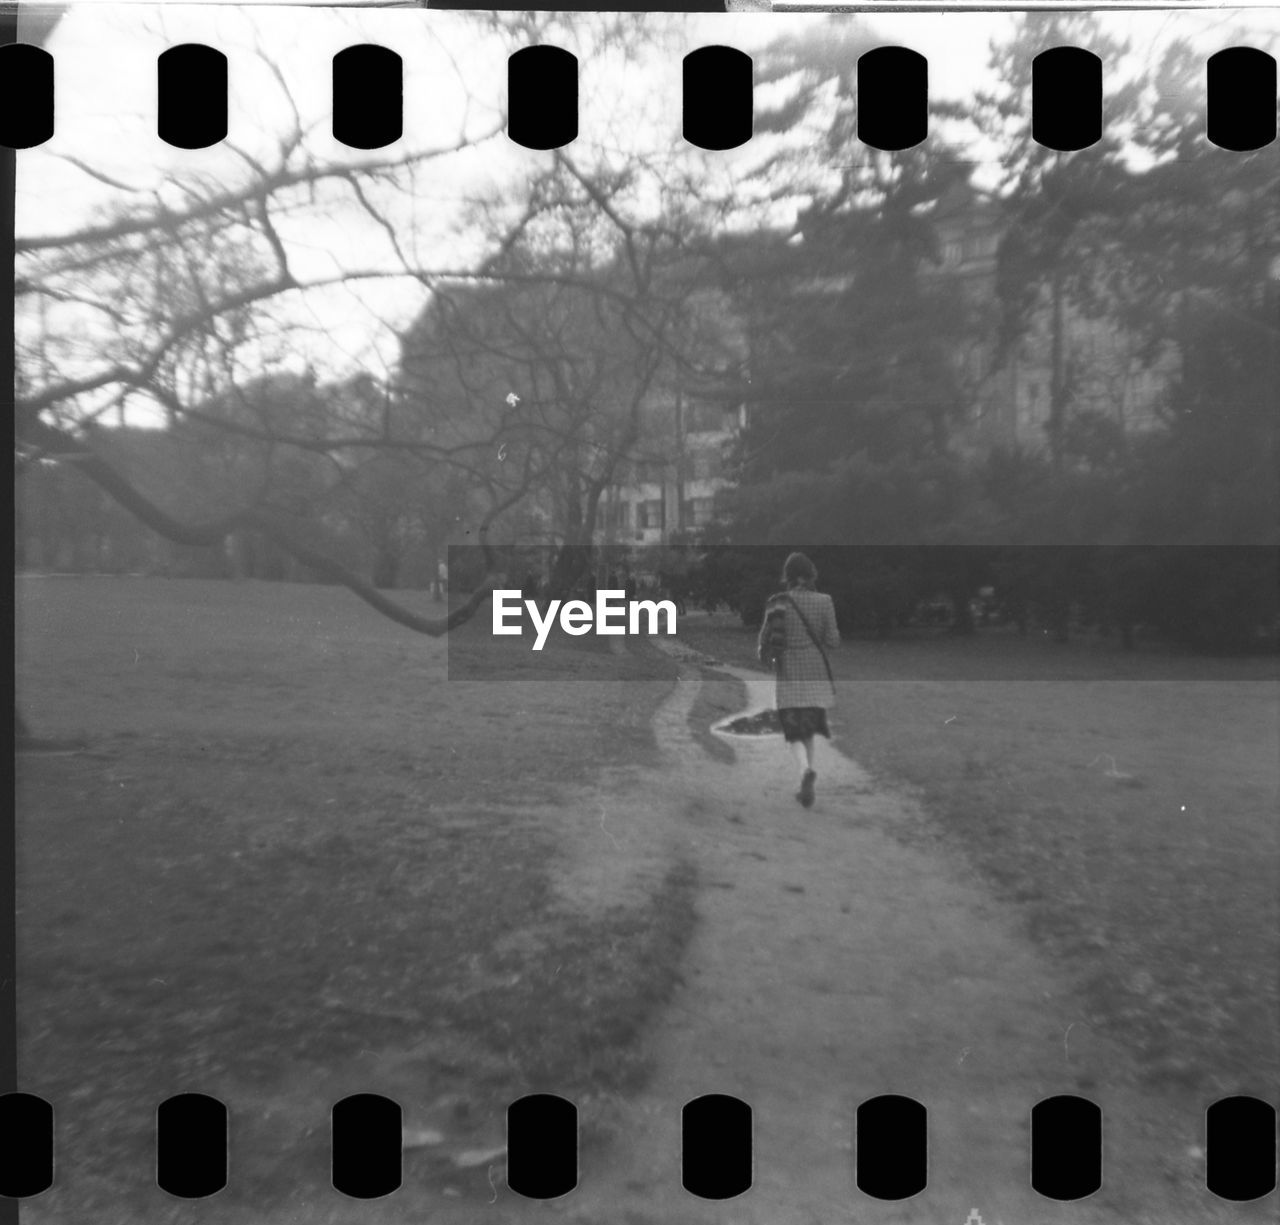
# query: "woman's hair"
799,569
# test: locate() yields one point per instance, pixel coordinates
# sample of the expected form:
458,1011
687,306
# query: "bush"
751,599
1219,599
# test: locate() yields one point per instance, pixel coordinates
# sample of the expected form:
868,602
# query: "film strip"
719,1155
716,1160
892,90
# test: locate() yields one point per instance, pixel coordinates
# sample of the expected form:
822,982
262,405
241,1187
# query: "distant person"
801,621
629,588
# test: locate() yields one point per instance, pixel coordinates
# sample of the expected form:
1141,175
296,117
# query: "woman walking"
802,622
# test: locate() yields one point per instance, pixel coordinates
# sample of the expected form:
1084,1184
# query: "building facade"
671,493
667,490
1009,400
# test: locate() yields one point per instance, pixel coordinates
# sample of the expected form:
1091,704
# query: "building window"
618,515
702,466
698,512
649,514
704,418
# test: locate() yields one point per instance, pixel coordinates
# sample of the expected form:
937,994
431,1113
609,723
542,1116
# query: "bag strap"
812,636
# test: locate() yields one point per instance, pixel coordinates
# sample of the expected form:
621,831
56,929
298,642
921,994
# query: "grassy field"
294,846
1127,807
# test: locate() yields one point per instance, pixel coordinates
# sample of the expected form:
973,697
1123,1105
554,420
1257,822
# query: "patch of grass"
275,663
720,695
475,654
991,654
581,1018
297,845
1127,808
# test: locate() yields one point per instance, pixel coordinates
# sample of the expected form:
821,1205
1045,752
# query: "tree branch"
272,525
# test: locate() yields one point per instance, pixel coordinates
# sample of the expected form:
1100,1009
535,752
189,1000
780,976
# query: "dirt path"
833,963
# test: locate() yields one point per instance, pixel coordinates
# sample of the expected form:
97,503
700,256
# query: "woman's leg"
807,777
802,752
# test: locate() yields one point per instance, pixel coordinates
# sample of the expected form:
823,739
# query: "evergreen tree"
1060,206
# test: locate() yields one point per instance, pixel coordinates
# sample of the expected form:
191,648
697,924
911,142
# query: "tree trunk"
572,562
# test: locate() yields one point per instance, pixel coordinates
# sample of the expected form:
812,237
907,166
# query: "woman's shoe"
806,788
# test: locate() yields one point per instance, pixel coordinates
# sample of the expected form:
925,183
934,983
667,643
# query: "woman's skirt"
803,722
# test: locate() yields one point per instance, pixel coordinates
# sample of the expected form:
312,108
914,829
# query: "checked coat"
802,678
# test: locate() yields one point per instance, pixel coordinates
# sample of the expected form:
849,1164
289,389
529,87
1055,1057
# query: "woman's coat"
802,679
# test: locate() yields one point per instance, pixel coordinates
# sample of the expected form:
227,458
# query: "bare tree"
187,295
569,368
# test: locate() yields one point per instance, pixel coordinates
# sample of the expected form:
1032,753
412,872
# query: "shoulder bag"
775,636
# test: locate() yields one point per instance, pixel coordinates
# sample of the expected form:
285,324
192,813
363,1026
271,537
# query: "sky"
105,113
